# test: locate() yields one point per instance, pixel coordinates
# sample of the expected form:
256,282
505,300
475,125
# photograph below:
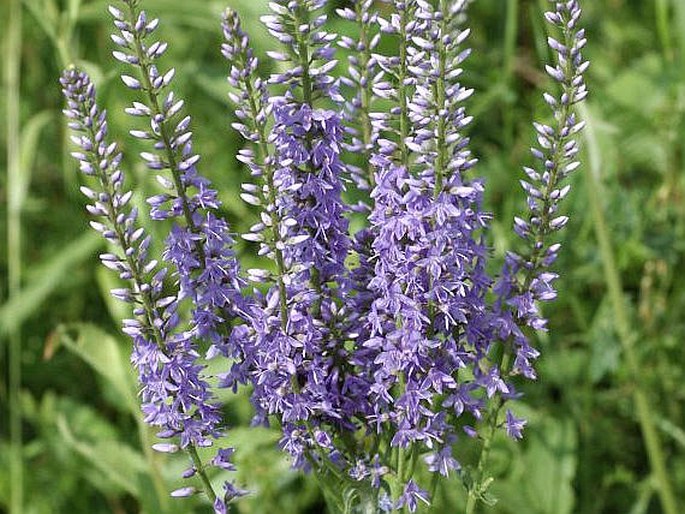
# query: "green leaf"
30,137
104,354
605,347
45,280
46,14
541,480
671,430
116,461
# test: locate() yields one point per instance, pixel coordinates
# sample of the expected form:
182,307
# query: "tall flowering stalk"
526,278
375,352
174,395
363,73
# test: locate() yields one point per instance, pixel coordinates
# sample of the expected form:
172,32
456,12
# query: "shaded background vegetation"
617,327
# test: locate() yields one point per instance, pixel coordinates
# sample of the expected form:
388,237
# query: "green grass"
607,414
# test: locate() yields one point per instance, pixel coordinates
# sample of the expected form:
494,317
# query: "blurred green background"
612,366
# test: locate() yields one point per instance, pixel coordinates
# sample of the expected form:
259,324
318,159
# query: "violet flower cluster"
373,352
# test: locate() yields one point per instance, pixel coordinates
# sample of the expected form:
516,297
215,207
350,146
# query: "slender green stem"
678,20
401,457
366,93
441,147
14,171
402,98
435,481
264,159
200,467
402,92
476,488
663,27
153,464
442,158
474,492
510,33
624,327
302,19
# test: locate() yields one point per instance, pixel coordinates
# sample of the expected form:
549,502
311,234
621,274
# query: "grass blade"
45,281
14,208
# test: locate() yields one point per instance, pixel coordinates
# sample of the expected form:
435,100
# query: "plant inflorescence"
375,351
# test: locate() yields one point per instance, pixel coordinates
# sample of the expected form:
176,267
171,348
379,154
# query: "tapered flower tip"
70,74
115,12
230,14
184,492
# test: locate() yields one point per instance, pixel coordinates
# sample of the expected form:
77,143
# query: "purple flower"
411,496
442,461
514,425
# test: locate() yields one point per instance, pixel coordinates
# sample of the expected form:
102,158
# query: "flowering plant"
374,351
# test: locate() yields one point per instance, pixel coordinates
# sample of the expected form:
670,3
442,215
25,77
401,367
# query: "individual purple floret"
411,496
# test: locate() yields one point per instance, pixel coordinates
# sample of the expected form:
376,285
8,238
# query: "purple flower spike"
298,26
363,75
173,393
200,245
525,280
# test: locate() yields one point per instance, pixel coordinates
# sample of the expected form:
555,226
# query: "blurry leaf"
215,87
45,13
542,479
552,467
565,366
265,470
118,462
672,430
30,137
45,280
629,86
4,477
604,345
53,463
94,70
646,490
250,440
73,10
102,352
